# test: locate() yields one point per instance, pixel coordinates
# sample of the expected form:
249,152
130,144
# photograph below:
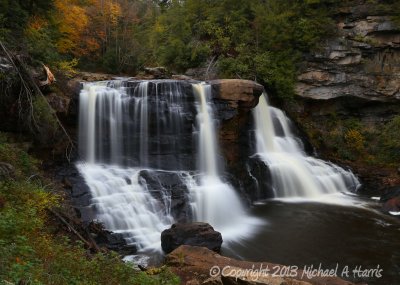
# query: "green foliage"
24,164
14,16
253,39
40,44
391,140
44,119
31,254
354,140
68,67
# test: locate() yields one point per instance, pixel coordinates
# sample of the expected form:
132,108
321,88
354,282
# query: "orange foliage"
73,21
37,23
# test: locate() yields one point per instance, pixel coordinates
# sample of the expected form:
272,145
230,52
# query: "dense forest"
255,39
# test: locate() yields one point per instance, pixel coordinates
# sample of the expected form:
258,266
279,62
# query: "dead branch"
92,244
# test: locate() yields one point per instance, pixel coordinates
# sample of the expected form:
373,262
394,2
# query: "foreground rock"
207,266
194,234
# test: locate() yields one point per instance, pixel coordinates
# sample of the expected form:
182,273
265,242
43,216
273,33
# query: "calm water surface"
305,234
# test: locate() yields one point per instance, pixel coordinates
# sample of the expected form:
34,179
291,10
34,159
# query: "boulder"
211,268
165,183
110,240
195,234
237,92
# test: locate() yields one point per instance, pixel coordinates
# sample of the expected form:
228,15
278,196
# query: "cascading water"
293,173
132,133
215,201
113,133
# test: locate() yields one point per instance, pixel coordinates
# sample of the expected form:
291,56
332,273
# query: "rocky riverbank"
199,265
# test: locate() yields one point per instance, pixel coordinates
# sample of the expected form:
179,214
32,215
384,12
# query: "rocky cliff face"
349,93
363,60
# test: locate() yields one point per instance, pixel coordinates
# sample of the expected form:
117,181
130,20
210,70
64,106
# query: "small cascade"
293,172
215,201
125,206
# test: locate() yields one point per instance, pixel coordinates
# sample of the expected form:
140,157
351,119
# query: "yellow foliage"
73,21
354,139
114,12
68,67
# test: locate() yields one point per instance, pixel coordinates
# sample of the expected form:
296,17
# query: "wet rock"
188,261
163,183
110,240
195,234
233,101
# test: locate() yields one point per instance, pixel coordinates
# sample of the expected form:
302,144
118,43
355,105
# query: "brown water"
305,234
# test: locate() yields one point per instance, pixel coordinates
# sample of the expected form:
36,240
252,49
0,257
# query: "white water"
114,140
120,201
125,206
215,201
294,174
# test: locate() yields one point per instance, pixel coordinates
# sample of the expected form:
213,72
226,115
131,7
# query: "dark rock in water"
392,205
6,170
80,194
110,240
390,193
391,199
164,183
194,234
259,179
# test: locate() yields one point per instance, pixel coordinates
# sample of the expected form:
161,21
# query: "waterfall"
114,142
293,173
215,201
144,144
125,206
